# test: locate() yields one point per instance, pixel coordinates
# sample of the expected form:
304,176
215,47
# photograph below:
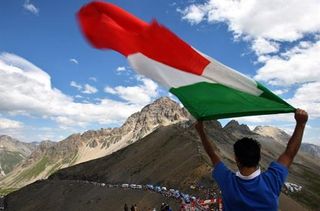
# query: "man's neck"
246,171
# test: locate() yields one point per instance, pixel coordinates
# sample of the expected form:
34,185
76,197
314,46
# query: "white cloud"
268,19
93,79
298,65
308,97
194,13
76,85
267,119
110,90
142,94
26,89
30,7
72,60
121,69
262,46
313,135
88,89
29,133
263,58
298,68
65,121
280,91
10,124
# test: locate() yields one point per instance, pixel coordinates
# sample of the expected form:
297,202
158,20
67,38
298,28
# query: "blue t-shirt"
259,193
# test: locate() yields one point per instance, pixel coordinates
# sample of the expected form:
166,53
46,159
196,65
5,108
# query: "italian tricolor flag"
207,88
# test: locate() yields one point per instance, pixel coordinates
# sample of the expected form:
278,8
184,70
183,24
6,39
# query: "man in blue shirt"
249,189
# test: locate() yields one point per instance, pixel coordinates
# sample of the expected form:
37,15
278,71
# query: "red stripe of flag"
107,26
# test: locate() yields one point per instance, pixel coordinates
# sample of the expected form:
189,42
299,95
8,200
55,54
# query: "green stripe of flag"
207,101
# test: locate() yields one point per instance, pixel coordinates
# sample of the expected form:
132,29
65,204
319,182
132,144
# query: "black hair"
247,152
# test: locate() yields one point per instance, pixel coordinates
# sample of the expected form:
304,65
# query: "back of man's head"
247,152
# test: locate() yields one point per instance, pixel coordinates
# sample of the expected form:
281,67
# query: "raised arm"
286,158
207,144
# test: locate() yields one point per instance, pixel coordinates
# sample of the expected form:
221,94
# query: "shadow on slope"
169,156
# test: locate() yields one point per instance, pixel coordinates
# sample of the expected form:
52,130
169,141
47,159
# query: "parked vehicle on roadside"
133,186
125,185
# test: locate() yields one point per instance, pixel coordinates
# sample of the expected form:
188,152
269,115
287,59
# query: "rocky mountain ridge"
273,132
10,144
282,137
170,156
311,149
48,156
12,152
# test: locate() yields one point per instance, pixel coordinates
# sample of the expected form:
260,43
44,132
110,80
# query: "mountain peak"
163,99
12,144
311,149
5,138
162,102
273,132
46,144
81,147
162,111
234,125
12,152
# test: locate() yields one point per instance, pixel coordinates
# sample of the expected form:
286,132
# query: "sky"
53,83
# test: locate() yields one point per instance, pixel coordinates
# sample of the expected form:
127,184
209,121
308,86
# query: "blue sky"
53,83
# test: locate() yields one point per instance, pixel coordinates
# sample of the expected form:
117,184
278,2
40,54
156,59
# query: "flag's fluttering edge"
207,88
